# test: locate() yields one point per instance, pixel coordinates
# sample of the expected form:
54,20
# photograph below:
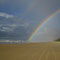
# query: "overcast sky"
19,18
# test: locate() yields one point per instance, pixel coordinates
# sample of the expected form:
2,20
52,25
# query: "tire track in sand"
53,53
42,54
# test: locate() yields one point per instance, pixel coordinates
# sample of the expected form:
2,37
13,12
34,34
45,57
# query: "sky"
19,18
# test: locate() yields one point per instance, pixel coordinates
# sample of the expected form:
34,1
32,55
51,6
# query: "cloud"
2,30
6,15
7,28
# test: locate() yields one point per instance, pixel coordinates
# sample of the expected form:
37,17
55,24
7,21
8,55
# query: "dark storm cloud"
10,30
19,18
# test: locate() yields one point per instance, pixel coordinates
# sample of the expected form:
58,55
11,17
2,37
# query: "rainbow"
42,24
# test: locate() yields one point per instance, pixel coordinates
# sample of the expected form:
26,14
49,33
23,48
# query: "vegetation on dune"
57,40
